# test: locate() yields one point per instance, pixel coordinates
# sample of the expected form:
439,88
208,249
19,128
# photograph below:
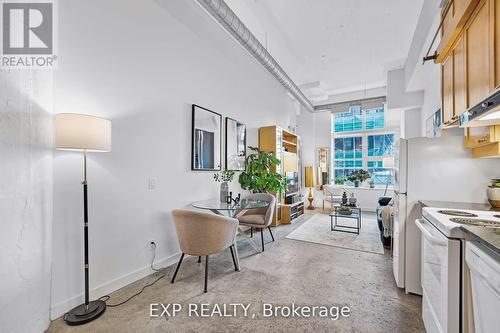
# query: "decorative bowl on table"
344,210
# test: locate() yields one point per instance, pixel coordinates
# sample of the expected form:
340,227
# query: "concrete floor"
289,271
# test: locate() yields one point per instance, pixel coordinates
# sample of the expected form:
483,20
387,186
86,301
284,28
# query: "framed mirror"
323,165
236,142
206,140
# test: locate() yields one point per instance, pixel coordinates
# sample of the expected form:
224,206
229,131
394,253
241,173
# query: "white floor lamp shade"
88,134
75,131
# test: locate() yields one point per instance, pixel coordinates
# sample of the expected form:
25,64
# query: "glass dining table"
232,209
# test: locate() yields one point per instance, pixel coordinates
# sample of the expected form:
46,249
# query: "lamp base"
310,199
82,314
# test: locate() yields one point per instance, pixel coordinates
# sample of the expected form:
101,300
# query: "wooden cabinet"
484,141
453,24
459,78
481,136
447,90
470,71
495,41
453,88
478,55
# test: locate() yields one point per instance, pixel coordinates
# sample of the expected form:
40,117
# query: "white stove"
442,254
448,221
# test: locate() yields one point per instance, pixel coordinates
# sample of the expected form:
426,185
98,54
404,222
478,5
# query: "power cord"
105,298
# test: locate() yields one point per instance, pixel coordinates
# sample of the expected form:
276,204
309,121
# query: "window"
381,145
349,121
348,155
375,119
380,175
361,141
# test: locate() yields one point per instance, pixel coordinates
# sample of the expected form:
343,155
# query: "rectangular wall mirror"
236,141
206,139
323,165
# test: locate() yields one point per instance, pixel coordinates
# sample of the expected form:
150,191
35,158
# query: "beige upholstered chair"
259,218
202,234
332,194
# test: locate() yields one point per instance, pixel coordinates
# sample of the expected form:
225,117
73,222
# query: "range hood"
483,114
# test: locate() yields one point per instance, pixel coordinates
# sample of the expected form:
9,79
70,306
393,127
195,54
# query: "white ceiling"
333,46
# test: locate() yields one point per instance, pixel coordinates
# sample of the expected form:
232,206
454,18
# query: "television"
292,182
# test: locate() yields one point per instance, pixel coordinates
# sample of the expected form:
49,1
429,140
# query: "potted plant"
371,182
345,210
339,181
493,192
358,176
224,177
259,176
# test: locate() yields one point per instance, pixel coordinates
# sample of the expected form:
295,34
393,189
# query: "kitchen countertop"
458,205
489,238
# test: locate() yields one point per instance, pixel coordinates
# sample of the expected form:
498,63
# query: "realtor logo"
28,34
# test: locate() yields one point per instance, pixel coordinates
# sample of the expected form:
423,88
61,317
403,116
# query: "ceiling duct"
221,12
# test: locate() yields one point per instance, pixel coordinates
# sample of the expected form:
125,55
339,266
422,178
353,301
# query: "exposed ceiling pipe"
221,12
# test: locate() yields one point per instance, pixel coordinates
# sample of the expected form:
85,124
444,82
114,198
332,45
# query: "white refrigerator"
438,169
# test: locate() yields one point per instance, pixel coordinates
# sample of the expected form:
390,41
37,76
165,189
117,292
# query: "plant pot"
352,201
356,183
224,191
493,194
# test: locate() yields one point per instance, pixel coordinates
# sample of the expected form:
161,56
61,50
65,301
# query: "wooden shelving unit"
291,212
285,146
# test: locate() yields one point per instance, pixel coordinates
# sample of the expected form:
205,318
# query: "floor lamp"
84,133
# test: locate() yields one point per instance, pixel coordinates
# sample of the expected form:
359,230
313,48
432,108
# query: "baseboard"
57,310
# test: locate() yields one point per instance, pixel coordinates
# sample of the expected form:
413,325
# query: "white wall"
142,67
25,200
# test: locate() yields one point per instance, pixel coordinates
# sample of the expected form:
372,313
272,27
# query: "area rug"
317,230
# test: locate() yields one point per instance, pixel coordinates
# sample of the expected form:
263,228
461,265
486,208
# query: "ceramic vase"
224,191
493,194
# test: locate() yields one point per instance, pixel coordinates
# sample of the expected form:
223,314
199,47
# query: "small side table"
356,215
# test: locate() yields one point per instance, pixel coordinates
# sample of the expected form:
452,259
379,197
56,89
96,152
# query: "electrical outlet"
151,183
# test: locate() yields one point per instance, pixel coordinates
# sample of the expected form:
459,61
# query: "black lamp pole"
88,311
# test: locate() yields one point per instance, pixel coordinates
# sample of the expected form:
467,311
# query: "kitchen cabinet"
459,78
478,55
495,50
447,90
453,24
454,85
481,136
470,67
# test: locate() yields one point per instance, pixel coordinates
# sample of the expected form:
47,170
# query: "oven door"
440,279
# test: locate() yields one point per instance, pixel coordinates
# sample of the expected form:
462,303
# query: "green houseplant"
258,176
339,181
358,176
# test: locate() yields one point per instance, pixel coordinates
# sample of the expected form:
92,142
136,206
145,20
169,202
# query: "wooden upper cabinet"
495,54
447,20
453,24
459,78
454,85
478,55
447,90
